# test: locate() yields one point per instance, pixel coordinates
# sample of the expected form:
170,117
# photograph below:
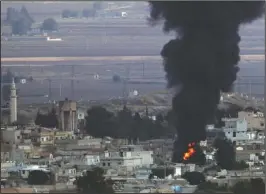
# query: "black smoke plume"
202,61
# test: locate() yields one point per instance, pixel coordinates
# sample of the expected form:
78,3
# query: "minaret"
13,102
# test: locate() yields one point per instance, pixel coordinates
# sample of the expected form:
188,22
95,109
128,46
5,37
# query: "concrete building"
93,142
85,160
255,121
13,102
175,170
143,173
126,157
235,129
47,138
67,115
17,155
12,135
67,172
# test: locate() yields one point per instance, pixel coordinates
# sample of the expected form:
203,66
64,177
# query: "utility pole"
143,69
60,90
125,82
72,82
250,87
50,89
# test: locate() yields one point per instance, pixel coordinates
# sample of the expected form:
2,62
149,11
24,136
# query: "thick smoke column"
202,61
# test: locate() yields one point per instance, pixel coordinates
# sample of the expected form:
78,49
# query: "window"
109,164
18,137
234,134
119,163
262,124
103,163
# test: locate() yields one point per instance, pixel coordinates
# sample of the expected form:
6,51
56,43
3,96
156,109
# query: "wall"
94,143
146,157
12,136
46,140
67,172
17,155
255,121
236,130
86,160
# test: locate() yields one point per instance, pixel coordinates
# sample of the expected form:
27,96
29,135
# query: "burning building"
201,61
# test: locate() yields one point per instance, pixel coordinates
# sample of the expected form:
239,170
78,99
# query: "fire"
190,152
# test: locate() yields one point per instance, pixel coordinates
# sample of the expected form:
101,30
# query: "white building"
86,160
69,172
128,156
235,129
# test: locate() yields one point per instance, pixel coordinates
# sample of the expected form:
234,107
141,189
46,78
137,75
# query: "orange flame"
190,152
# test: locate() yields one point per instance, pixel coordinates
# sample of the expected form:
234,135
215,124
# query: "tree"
66,13
99,122
125,121
74,14
49,25
6,92
20,27
52,118
38,177
8,77
209,187
69,14
94,181
242,187
23,120
49,120
241,165
86,13
258,186
38,118
194,178
24,12
116,78
97,5
246,187
136,126
225,154
12,15
20,21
